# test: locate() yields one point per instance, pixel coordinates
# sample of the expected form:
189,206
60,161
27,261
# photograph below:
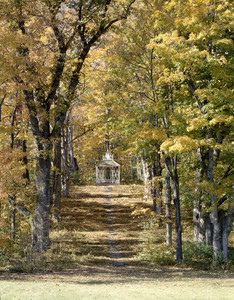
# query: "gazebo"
108,171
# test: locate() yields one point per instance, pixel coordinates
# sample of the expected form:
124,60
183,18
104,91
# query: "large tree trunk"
212,228
168,209
203,228
40,234
226,229
217,233
56,193
41,132
214,215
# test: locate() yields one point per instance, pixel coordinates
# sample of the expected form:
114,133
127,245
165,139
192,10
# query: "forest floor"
95,247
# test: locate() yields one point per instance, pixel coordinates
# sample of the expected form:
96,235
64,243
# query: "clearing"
95,245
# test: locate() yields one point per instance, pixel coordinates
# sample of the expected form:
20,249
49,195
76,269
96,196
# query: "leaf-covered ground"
81,248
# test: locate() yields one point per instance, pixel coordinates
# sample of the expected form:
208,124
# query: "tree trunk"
214,215
203,228
131,169
153,183
157,184
13,219
146,177
217,233
198,220
178,227
208,230
196,223
40,232
65,164
179,255
168,209
226,229
139,170
56,193
71,159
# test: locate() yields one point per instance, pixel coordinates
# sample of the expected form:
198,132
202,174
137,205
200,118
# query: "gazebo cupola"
108,171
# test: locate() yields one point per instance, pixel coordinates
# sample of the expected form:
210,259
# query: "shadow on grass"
98,274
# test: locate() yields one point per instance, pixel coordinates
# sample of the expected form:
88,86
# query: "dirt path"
102,215
86,234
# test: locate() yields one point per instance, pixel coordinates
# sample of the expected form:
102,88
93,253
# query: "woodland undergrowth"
153,249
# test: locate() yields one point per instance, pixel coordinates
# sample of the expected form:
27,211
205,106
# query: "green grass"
105,289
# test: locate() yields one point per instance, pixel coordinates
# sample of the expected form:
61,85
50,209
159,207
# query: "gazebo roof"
108,161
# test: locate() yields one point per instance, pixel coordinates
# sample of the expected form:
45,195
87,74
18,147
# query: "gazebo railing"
107,181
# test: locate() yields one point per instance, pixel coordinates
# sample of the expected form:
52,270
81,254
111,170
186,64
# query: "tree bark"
71,159
168,209
178,227
198,220
217,233
42,139
179,255
139,170
146,177
203,228
65,164
13,219
226,229
40,232
56,193
157,184
214,215
153,182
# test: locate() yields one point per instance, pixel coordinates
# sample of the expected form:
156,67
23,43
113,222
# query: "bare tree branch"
20,208
83,133
1,103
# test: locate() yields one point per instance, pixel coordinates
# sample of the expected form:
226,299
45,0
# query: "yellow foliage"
196,124
228,120
140,211
179,144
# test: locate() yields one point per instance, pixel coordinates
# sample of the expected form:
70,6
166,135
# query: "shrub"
197,255
153,248
162,254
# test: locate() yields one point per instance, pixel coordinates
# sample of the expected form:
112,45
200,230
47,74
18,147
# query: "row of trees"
44,45
163,75
167,73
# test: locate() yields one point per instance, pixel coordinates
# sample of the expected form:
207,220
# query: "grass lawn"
170,284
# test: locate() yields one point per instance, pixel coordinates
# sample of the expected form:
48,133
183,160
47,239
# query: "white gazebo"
108,171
